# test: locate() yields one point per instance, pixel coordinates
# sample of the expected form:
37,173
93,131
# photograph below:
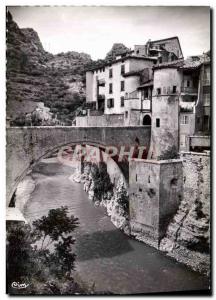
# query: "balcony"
189,90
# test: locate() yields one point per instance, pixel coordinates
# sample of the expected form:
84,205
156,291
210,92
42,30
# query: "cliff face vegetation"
34,76
36,79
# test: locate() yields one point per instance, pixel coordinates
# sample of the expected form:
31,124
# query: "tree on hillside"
117,49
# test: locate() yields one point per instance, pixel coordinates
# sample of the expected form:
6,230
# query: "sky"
94,30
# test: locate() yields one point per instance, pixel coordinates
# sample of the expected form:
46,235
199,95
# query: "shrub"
29,255
102,182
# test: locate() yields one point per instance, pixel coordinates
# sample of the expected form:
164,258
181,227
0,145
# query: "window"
157,122
188,83
122,101
185,119
174,89
110,73
122,69
110,102
158,91
137,52
146,94
160,60
122,86
126,114
110,88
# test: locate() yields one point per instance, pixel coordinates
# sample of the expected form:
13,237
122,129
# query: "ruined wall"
155,191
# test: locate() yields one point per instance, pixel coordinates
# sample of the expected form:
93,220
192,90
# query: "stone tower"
165,112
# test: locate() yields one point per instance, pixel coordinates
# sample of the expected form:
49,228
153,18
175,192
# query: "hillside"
35,76
42,88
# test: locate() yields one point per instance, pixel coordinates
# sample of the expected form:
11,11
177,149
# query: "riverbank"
171,243
107,259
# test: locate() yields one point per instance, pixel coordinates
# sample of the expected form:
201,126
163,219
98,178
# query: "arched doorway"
147,120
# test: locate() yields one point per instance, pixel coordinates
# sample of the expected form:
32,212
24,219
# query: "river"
106,257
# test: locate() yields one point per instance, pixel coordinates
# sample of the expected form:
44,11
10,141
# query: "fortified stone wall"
155,192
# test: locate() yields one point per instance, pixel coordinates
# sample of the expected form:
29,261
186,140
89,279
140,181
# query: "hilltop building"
153,85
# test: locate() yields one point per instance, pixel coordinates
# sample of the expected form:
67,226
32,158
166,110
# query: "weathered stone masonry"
155,191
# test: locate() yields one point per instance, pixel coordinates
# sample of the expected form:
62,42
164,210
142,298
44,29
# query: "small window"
122,101
188,83
185,119
122,69
137,52
110,73
160,60
110,102
122,86
110,88
157,122
146,94
126,114
174,89
158,91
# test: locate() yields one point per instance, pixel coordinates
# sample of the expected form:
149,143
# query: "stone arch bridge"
27,145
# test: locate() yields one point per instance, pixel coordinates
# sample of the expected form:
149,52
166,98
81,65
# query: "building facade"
154,86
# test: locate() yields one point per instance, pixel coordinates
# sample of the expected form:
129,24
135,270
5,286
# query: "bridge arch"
26,146
123,168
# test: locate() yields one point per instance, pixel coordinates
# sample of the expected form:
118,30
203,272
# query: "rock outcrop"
188,235
115,199
34,75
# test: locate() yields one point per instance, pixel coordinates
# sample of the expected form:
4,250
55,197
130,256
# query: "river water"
106,258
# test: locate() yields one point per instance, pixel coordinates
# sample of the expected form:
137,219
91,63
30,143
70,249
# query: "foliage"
41,253
122,197
101,179
117,49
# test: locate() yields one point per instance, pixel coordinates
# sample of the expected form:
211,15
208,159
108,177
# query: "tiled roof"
171,64
192,62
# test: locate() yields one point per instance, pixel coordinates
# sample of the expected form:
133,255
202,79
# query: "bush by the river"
40,255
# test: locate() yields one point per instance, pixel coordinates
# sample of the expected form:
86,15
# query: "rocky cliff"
34,75
188,234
